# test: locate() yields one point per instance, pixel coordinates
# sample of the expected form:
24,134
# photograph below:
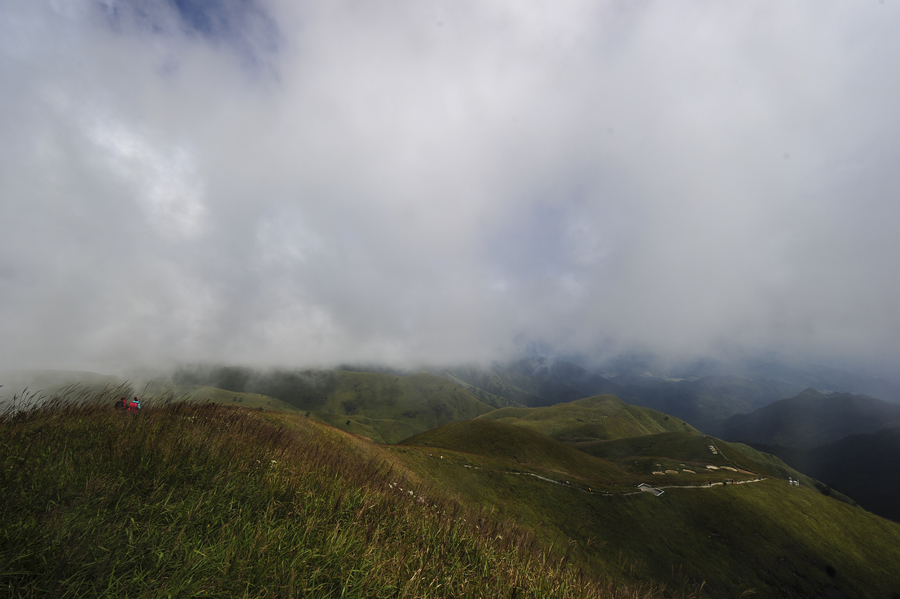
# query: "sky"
294,183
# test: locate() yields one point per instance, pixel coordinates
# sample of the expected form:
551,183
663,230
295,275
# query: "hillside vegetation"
187,500
849,442
723,527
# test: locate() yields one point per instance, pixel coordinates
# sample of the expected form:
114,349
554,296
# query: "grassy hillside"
600,417
761,535
186,500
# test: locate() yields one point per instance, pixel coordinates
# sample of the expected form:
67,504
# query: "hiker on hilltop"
134,405
120,404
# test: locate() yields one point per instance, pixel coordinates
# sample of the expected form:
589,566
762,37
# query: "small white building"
648,489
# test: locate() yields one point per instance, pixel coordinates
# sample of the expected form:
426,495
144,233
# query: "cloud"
287,183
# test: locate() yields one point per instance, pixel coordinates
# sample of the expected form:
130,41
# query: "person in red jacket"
134,405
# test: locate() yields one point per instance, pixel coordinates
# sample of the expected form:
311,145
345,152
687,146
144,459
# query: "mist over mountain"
280,185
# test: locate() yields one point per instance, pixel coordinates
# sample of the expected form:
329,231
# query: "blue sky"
308,183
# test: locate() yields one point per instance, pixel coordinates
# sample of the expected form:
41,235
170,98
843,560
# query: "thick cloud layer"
295,183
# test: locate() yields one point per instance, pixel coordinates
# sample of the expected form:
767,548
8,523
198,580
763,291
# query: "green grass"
208,500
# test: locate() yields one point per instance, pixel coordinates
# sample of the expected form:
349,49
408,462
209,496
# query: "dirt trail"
564,483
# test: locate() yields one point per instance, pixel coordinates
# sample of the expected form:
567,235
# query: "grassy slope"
766,536
210,500
600,417
189,479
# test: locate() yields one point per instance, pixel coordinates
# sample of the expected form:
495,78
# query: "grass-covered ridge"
210,500
601,417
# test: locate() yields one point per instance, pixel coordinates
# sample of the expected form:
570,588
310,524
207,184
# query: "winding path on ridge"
592,492
626,494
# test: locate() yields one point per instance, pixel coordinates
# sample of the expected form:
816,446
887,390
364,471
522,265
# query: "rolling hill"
515,445
223,500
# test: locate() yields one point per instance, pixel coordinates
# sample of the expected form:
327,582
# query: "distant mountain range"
809,419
